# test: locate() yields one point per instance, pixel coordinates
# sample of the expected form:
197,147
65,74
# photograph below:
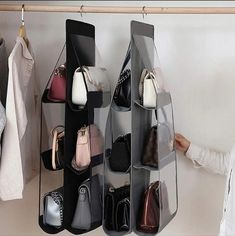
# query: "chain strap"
58,199
124,76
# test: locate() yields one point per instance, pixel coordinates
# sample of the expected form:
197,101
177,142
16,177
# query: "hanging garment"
220,163
3,72
21,141
3,120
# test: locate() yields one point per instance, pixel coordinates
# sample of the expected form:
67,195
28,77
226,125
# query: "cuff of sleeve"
6,196
193,153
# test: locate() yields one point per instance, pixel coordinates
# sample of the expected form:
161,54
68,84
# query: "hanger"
22,30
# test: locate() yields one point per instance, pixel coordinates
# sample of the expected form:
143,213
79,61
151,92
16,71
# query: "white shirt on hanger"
220,163
21,141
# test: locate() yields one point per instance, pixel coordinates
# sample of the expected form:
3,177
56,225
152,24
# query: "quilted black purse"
122,93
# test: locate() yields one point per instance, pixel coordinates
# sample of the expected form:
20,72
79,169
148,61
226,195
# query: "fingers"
181,143
179,137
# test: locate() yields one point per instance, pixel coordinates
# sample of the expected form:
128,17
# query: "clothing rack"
119,9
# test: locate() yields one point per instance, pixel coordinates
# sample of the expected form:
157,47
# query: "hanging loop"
81,10
22,14
143,12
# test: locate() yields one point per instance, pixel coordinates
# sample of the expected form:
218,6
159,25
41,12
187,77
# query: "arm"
217,162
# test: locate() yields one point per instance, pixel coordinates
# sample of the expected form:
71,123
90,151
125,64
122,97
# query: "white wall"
197,54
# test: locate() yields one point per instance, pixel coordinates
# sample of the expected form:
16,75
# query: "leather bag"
150,154
89,144
159,143
53,208
150,215
120,157
155,208
57,90
89,205
117,209
122,93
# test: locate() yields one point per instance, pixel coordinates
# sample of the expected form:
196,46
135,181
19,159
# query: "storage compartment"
151,182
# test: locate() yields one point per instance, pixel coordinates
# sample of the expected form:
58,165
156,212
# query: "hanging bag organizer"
80,51
152,136
71,186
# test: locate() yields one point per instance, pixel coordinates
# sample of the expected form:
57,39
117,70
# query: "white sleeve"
11,175
217,162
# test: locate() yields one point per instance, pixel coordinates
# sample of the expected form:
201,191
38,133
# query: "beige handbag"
89,144
57,147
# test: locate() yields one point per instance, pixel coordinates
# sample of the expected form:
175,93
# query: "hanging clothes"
3,120
20,146
3,72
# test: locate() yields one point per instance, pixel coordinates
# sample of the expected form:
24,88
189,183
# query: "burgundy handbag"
150,215
57,91
155,208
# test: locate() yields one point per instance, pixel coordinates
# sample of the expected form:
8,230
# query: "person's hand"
181,143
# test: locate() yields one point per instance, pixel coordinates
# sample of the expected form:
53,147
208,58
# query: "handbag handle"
144,75
54,147
56,134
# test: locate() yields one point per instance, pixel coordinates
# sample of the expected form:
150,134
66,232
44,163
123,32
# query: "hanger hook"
22,14
81,9
143,11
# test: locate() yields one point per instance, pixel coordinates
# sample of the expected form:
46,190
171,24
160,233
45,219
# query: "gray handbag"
89,205
53,208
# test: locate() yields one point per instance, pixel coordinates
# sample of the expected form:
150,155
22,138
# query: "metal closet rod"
120,9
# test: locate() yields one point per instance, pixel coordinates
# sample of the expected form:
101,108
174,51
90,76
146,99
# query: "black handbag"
117,209
120,157
122,93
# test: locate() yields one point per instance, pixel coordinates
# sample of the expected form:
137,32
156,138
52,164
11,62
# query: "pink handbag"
96,140
89,144
57,91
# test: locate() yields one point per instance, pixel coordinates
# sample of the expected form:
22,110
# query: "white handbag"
148,89
94,80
